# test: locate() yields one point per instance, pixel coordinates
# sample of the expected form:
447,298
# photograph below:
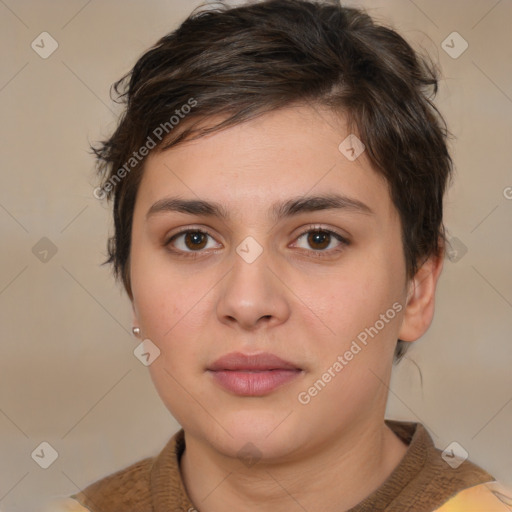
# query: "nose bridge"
252,291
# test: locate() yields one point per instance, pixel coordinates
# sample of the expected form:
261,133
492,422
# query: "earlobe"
419,308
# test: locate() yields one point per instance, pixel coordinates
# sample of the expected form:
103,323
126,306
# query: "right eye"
189,241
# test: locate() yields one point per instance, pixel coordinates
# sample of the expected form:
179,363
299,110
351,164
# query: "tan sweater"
422,482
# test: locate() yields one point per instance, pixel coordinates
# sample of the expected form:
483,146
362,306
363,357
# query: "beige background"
68,375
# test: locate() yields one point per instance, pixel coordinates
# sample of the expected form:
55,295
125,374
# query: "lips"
255,362
252,374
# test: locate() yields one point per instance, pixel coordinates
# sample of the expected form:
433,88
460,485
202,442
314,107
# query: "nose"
252,295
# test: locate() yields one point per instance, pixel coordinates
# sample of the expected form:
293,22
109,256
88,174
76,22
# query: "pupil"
317,237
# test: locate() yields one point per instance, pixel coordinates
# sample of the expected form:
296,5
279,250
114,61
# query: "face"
319,284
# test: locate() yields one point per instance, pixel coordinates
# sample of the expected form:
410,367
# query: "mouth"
252,375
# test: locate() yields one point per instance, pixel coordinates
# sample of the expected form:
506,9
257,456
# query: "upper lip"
261,361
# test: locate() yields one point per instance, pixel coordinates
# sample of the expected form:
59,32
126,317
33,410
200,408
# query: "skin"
295,301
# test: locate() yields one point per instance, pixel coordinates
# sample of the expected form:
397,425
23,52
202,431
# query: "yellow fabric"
488,497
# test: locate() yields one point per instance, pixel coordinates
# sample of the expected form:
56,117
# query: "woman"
278,179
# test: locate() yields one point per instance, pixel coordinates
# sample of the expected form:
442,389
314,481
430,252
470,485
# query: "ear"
419,309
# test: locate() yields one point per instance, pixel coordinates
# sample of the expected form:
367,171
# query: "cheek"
355,299
363,312
171,309
161,296
157,308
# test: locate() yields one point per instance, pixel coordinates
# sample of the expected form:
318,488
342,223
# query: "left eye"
321,239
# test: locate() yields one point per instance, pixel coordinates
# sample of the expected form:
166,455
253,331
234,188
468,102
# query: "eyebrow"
278,211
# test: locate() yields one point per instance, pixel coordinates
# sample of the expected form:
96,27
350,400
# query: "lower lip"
256,383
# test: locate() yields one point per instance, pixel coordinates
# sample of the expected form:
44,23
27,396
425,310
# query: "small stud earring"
136,331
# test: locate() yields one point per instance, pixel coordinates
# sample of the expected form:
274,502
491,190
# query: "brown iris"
195,238
319,237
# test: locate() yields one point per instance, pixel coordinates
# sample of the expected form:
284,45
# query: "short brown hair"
245,61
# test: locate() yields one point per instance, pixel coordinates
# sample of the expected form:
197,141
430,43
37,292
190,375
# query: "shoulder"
136,486
489,496
434,477
129,487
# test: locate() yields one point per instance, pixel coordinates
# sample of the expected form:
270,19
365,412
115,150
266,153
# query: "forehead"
282,154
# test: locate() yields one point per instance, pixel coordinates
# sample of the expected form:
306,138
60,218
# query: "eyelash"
320,253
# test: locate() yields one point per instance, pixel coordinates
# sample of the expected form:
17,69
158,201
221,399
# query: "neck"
334,477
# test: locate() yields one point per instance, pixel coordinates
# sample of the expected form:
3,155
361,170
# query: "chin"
253,435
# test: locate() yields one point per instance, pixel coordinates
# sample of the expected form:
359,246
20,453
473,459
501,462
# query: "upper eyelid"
316,227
